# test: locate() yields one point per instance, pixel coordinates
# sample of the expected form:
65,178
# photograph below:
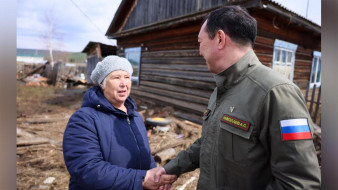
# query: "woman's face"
117,87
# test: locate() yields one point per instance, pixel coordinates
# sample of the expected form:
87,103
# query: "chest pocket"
236,139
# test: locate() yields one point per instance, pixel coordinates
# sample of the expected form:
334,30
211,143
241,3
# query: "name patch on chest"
236,122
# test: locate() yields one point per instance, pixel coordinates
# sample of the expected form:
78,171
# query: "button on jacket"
104,148
243,145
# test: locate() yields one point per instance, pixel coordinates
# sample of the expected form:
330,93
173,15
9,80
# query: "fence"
312,98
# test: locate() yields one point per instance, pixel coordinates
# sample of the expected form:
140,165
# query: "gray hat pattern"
109,64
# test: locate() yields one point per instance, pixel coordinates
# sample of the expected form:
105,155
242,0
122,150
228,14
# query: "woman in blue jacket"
105,143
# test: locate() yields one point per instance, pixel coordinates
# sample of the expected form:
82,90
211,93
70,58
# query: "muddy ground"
42,115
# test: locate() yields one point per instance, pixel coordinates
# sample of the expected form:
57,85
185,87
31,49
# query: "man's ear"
221,39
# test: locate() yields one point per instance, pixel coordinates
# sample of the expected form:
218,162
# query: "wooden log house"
160,38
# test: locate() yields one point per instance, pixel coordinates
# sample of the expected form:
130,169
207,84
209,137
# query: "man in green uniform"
257,133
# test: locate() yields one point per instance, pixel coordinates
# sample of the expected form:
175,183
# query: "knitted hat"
109,64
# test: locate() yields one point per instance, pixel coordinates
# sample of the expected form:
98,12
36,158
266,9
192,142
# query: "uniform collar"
236,72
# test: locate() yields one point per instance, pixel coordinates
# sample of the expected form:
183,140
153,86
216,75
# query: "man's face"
207,47
117,88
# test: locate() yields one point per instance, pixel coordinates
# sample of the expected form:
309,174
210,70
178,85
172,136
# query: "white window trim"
288,47
318,84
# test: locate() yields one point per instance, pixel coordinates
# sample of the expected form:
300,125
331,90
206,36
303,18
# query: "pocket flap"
237,126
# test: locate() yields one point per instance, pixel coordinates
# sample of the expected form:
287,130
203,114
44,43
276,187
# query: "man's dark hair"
235,22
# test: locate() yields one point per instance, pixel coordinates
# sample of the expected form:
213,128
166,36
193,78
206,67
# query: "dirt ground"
42,115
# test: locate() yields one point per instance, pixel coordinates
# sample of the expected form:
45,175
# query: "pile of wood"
166,145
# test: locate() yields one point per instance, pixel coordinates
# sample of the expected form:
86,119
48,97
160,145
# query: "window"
134,57
315,77
284,58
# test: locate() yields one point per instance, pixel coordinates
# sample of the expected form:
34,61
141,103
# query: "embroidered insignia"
295,129
206,112
232,109
236,122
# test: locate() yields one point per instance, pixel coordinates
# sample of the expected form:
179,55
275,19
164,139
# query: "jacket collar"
94,98
236,72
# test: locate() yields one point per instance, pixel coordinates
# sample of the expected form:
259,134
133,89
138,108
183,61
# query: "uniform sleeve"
187,160
84,160
293,159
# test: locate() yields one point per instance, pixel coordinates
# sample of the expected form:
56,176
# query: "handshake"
157,179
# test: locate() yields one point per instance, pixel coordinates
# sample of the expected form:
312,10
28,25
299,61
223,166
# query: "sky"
76,22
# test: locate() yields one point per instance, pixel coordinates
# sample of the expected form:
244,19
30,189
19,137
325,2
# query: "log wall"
172,71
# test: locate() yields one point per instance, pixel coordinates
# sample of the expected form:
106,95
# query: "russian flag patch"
295,129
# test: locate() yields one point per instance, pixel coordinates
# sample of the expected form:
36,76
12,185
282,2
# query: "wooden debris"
25,138
188,130
192,124
32,71
33,161
31,141
186,183
172,145
40,120
165,155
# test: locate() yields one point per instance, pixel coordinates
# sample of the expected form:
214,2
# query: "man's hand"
157,178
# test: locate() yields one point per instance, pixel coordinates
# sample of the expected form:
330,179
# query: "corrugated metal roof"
293,12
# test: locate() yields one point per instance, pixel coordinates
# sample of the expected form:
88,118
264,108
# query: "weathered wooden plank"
175,95
200,68
307,63
196,118
264,40
200,76
179,104
147,12
144,38
175,88
180,82
263,49
174,60
173,39
266,28
172,53
304,57
264,57
180,46
308,51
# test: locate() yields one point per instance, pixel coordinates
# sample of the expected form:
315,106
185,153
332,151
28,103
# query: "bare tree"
50,34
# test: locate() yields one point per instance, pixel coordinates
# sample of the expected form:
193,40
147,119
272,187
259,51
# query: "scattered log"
31,141
187,130
186,183
192,124
40,120
33,161
175,144
32,71
23,149
23,133
165,155
27,139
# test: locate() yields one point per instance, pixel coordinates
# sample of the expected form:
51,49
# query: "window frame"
137,50
286,47
317,55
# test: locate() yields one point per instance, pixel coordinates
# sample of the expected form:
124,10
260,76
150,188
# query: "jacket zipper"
138,147
128,120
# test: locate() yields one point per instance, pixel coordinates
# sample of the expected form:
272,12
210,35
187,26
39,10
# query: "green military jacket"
257,134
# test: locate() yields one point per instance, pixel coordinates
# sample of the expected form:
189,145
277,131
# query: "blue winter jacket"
104,148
